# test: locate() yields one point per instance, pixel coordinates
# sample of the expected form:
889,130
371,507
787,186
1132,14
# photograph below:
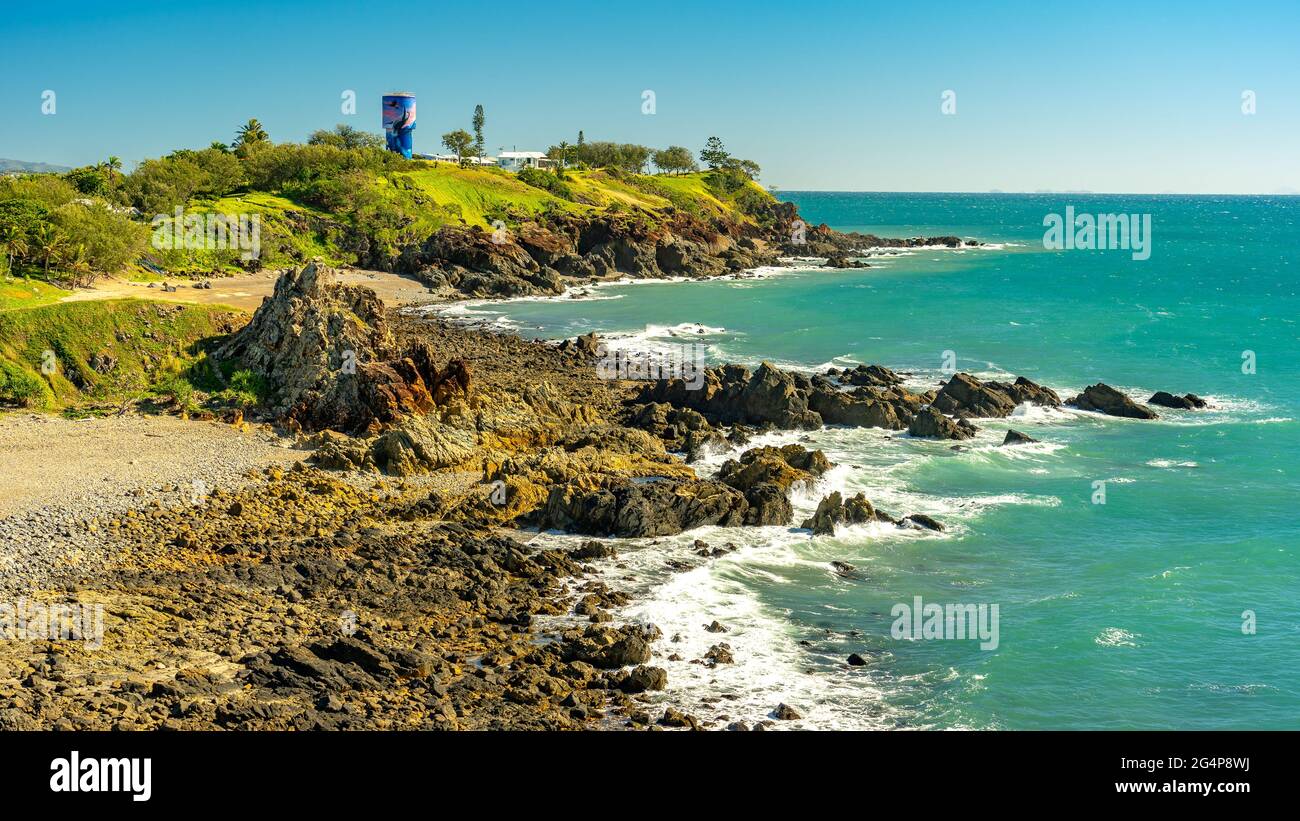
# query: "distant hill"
12,166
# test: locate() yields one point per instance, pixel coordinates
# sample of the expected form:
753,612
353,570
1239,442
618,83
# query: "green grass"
19,293
480,192
290,232
430,195
46,352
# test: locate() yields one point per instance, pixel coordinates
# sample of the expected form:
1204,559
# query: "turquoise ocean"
1173,604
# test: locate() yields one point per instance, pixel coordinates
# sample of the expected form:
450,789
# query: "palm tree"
564,154
251,133
113,165
80,268
49,242
14,241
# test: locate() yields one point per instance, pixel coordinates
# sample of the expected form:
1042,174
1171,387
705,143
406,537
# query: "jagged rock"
769,505
681,429
839,408
874,375
673,717
657,507
643,678
719,654
930,423
1188,401
329,359
592,550
586,345
784,712
609,648
1102,398
420,445
833,510
732,395
765,475
856,660
965,396
1015,437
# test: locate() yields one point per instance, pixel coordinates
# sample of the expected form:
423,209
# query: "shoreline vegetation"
346,547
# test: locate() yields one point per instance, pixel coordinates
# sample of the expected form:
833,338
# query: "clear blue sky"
1104,96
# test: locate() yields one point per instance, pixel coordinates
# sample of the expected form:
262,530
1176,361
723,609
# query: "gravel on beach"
63,482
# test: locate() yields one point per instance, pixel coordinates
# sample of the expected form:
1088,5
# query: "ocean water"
1132,613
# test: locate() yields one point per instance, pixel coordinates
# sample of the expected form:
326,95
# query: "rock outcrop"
329,360
1188,401
1102,398
1015,437
930,424
652,507
770,397
967,397
540,253
834,510
766,475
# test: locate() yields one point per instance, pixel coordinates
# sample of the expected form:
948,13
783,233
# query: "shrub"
546,181
21,387
109,241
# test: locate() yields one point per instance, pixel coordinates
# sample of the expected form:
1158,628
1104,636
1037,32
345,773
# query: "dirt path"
246,292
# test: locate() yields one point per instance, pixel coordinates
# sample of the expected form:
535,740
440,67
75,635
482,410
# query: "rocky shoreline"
543,255
383,581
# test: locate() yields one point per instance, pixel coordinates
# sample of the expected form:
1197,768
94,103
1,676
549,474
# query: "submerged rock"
784,712
1015,437
921,520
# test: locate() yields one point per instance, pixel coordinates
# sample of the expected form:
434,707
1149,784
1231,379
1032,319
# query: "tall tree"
13,239
714,155
250,134
674,159
49,242
478,130
460,141
83,273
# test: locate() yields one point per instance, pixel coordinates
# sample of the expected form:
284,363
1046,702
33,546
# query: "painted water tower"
399,122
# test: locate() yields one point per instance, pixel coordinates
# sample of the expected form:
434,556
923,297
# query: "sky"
1102,96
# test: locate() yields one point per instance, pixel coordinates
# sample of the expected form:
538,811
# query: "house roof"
523,155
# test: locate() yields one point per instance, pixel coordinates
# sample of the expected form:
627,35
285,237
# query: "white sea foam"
1117,637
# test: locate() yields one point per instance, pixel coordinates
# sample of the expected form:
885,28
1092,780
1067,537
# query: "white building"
517,160
451,158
